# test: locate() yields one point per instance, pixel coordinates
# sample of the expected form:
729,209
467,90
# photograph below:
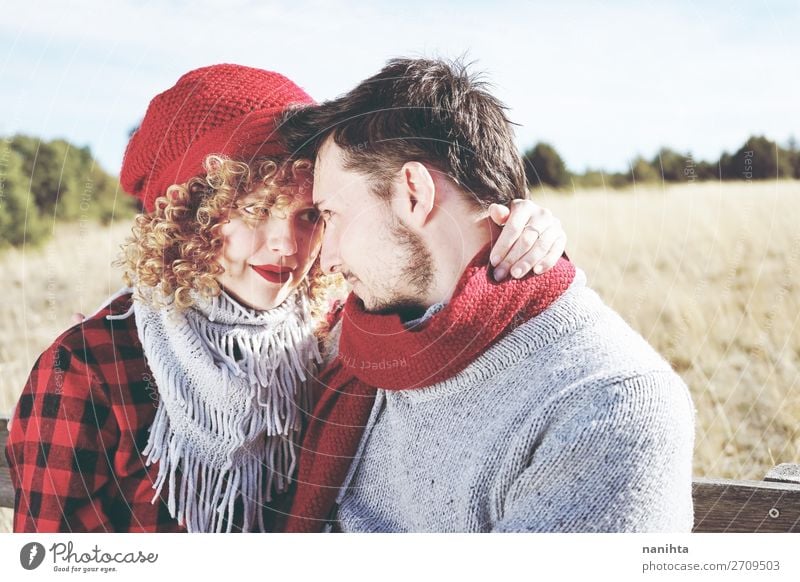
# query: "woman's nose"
281,235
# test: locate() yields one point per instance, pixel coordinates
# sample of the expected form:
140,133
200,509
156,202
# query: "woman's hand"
532,239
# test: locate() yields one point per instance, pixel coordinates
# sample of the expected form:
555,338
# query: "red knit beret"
222,109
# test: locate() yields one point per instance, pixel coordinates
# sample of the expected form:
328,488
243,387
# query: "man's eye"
311,215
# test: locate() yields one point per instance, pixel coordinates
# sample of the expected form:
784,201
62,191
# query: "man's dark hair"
428,111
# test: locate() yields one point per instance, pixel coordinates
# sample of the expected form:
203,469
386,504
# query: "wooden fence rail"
720,505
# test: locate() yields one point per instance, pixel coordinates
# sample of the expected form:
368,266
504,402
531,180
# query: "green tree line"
758,159
44,182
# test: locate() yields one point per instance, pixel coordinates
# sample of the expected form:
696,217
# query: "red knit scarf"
377,350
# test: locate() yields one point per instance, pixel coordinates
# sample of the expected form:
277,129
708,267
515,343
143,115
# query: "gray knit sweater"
570,423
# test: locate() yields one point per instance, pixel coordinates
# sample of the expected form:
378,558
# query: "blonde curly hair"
174,249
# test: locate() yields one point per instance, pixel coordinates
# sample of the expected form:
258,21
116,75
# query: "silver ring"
529,227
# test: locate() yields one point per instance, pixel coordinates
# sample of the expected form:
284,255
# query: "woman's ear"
414,199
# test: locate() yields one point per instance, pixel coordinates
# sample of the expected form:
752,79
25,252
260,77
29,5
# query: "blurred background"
663,135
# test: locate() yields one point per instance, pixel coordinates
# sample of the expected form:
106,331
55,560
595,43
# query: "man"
457,403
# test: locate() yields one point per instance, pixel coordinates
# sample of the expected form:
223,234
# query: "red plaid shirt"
74,447
80,426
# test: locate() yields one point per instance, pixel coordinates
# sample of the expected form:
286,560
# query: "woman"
178,406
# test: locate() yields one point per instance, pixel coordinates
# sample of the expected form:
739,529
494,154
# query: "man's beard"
417,272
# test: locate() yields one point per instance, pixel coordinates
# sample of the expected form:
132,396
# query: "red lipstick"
274,273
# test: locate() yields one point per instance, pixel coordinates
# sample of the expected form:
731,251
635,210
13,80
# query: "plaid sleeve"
58,445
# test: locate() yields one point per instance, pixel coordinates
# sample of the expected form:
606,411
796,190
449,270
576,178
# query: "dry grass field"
708,273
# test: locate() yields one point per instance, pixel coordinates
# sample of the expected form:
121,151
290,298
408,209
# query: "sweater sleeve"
615,459
60,436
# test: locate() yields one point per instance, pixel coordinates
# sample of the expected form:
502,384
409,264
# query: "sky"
602,82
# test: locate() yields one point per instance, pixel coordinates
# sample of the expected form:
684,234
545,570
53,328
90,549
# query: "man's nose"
329,255
281,235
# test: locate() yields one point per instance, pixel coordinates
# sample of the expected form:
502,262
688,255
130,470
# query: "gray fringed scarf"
233,384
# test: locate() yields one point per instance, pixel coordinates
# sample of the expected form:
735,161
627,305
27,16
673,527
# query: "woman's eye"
256,211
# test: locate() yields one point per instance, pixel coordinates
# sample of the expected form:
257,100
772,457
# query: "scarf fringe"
203,497
229,434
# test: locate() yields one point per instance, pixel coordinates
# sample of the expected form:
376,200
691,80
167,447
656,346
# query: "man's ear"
416,195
